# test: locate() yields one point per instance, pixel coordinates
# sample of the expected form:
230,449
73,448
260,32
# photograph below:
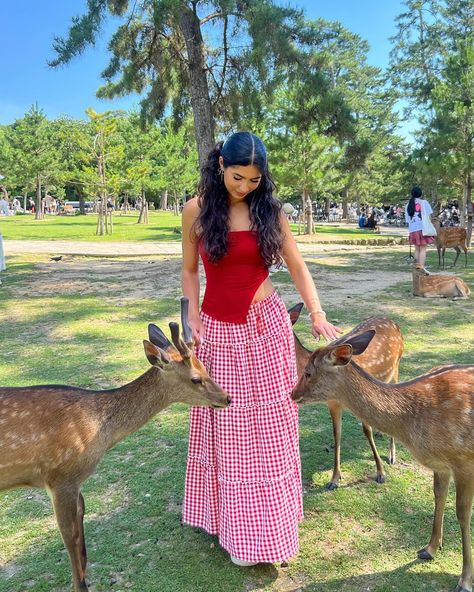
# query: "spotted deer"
433,415
454,237
54,436
382,360
437,285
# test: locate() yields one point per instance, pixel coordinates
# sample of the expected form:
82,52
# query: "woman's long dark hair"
415,193
241,149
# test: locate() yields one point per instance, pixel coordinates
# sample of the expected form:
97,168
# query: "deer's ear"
156,356
340,355
294,312
360,342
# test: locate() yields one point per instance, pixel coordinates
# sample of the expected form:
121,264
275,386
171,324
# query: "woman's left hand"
323,328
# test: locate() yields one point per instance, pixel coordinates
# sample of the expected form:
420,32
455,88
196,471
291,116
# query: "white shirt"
415,223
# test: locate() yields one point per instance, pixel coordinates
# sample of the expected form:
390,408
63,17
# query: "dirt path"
127,281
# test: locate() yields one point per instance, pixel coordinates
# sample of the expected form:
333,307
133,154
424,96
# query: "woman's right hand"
197,328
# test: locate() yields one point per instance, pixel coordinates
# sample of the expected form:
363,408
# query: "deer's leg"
392,451
458,252
81,509
335,409
439,256
443,254
440,489
69,508
465,256
380,478
464,493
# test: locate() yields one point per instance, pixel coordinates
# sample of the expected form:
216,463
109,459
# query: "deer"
53,436
385,367
432,414
432,285
450,237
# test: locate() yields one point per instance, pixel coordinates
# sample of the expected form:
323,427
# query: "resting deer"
437,285
382,360
450,237
54,436
433,415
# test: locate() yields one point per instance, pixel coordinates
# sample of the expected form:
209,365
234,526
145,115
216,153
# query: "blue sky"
29,27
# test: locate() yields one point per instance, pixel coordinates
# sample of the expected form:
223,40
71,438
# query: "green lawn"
82,322
162,227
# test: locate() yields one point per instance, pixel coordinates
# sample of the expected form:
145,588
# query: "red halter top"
231,283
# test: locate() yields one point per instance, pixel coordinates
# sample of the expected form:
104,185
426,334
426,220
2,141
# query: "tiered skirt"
243,478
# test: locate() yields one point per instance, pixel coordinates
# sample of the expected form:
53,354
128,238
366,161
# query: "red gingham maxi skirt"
243,478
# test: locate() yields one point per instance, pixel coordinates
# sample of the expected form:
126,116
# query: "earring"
220,172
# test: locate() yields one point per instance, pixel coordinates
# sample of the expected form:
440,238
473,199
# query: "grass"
162,227
361,537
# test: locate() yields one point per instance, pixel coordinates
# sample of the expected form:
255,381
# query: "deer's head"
187,380
324,372
418,270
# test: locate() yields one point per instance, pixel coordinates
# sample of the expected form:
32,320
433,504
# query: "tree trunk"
200,100
308,210
164,200
102,226
143,217
435,201
39,206
82,203
467,203
327,207
345,199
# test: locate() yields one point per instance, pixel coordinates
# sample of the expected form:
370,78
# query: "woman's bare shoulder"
192,207
190,217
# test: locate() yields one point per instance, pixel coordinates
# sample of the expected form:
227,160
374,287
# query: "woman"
243,479
415,210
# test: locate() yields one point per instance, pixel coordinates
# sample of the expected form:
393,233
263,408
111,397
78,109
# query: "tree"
175,163
432,64
159,50
35,160
106,147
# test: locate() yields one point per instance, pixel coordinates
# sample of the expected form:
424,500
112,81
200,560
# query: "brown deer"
432,285
388,339
450,237
54,436
433,415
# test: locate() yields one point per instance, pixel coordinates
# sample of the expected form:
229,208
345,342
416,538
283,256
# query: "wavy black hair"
240,149
416,192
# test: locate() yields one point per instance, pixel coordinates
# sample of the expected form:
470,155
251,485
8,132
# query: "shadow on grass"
133,527
385,581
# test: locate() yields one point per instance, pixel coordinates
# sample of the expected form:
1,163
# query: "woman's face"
240,181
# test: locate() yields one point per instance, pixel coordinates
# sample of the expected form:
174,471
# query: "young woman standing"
415,210
243,479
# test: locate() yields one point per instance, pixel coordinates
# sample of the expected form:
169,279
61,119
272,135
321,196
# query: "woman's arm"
305,285
190,267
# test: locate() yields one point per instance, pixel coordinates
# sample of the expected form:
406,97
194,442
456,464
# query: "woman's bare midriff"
264,290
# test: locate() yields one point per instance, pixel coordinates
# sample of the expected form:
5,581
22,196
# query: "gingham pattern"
243,479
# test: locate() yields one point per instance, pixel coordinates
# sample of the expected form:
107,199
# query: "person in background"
371,221
415,208
243,479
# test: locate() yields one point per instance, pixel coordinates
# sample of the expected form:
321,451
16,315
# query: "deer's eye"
307,375
196,380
